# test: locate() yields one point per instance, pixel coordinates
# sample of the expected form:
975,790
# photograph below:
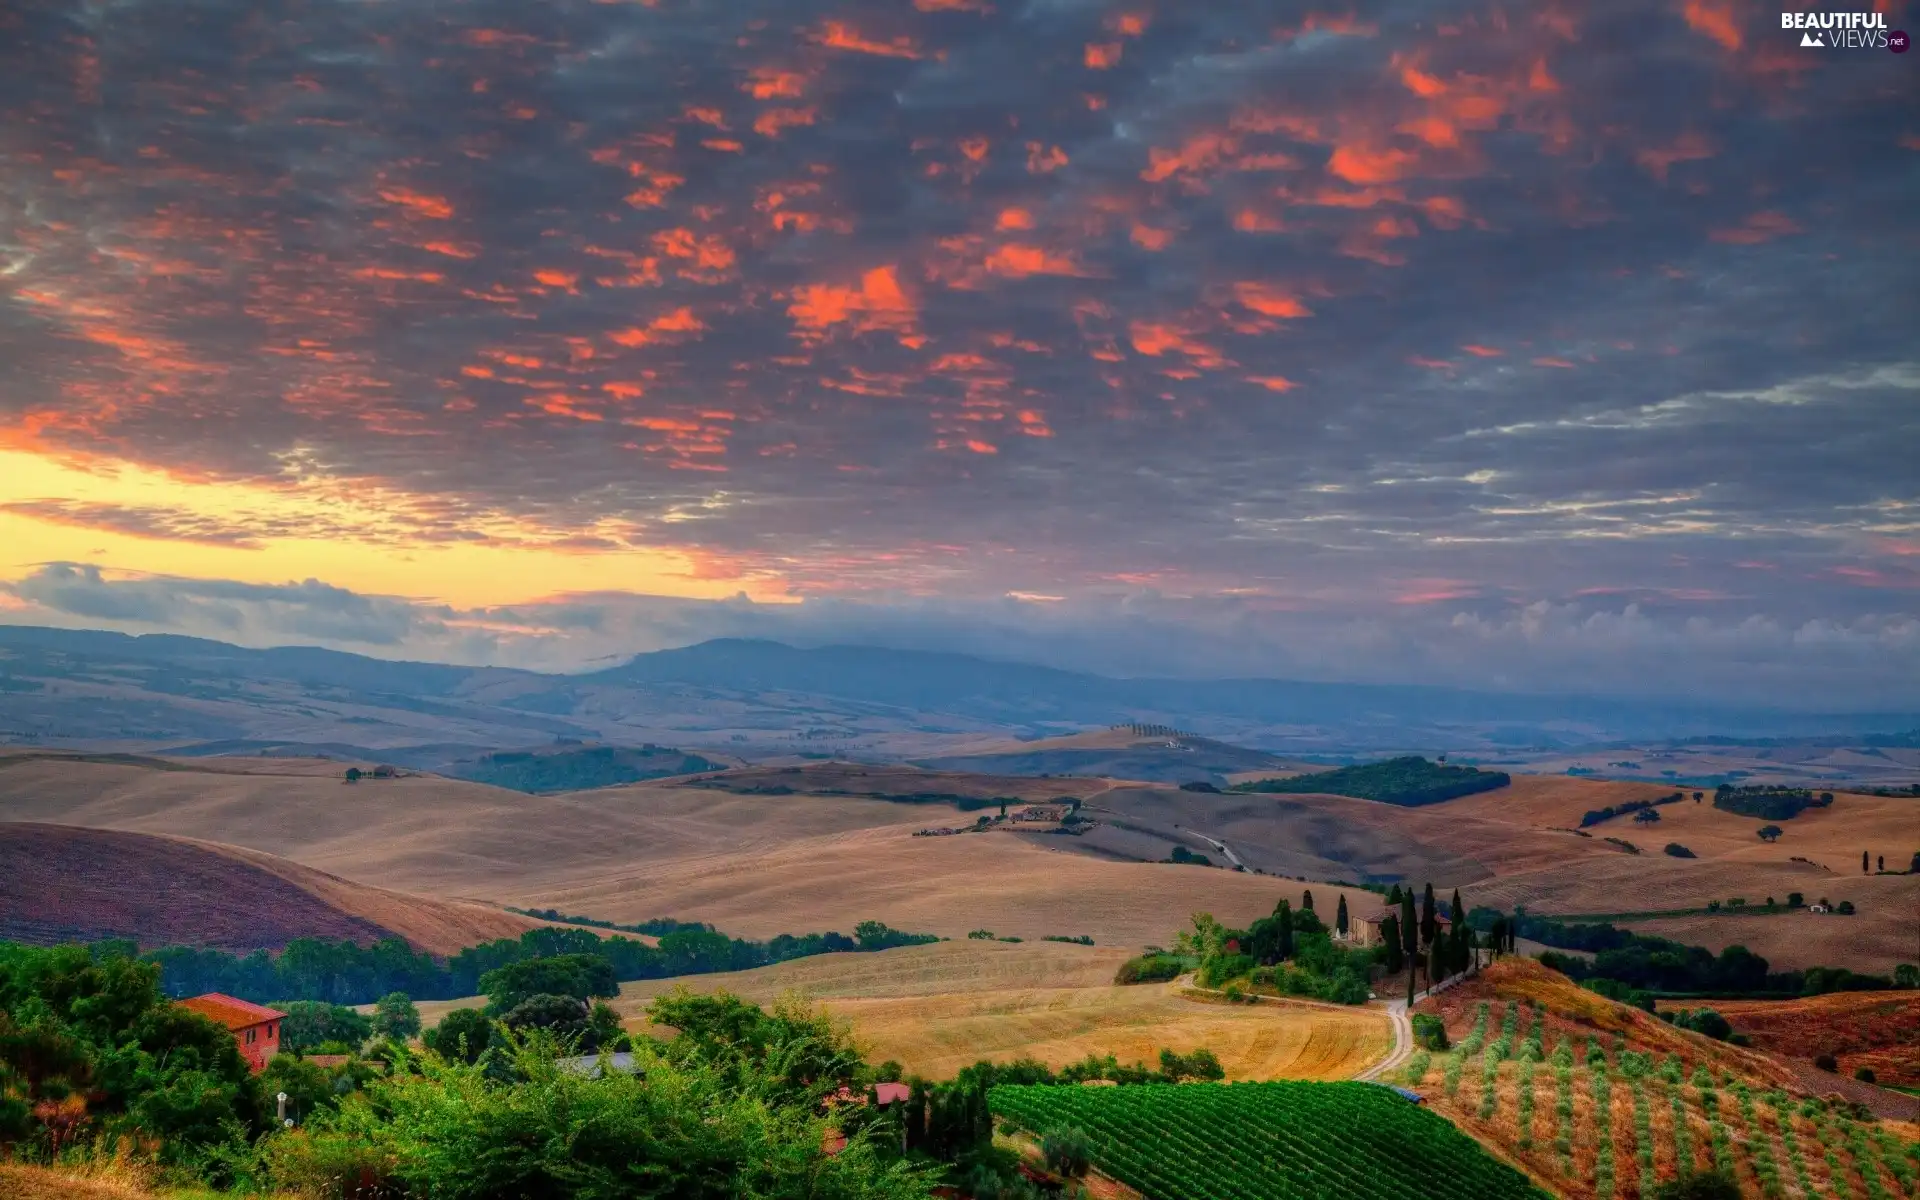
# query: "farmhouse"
255,1028
1040,812
1365,930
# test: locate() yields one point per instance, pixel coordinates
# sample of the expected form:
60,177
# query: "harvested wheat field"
1594,1098
938,1008
1877,1030
60,883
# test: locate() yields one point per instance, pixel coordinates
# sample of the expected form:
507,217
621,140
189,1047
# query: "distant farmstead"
1365,930
255,1027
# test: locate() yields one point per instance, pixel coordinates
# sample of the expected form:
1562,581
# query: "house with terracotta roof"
255,1027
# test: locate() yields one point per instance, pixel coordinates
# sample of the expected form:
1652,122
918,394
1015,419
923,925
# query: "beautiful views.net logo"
1839,30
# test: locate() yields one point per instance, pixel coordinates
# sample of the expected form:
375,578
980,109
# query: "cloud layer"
1454,325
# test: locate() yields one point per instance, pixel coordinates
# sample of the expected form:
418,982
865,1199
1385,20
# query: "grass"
938,1008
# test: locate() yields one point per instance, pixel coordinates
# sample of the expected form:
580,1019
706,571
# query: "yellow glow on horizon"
357,539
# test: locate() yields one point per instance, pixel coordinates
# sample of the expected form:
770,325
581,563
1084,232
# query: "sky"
1548,345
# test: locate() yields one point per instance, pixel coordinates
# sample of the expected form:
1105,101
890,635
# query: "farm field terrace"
1600,1100
1274,1141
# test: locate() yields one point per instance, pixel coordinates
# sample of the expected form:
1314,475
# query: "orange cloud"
557,279
1156,338
1273,383
1148,238
449,249
1360,164
1014,218
711,257
769,83
1017,260
1483,351
1042,160
1760,227
661,328
841,36
1715,20
878,303
1101,55
771,122
1549,361
418,203
1270,301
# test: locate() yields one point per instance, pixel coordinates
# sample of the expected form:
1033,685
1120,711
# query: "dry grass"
1880,1030
940,1007
761,865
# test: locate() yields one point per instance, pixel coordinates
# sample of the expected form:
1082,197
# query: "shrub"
1678,851
1864,1074
1223,967
1825,1062
1699,1185
1067,1150
1150,968
394,1016
1429,1031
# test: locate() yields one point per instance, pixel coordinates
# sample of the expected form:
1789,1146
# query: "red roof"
890,1093
230,1011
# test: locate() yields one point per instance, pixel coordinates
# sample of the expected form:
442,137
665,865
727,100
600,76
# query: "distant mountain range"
758,697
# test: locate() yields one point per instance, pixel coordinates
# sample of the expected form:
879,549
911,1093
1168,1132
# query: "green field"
1267,1141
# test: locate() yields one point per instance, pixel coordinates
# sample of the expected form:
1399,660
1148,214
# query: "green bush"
1150,968
1429,1031
1699,1185
1067,1151
1222,967
686,1126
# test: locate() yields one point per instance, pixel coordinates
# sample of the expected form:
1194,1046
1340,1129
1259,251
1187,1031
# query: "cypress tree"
1436,963
1306,899
1283,931
1390,934
1459,913
1429,928
1393,896
1340,916
1409,932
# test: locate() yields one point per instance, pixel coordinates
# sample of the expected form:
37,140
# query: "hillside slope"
1586,1093
63,883
1117,754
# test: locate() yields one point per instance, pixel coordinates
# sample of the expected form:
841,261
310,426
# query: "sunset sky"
1541,345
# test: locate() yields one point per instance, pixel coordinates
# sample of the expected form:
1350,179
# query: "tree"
1409,932
463,1035
1340,916
1068,1151
1436,962
582,976
1003,810
1770,833
394,1016
1393,893
1880,862
311,1023
1429,923
1906,976
1306,901
1863,863
353,774
1390,937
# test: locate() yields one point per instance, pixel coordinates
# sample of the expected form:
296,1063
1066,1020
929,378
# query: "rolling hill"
1118,753
64,883
99,690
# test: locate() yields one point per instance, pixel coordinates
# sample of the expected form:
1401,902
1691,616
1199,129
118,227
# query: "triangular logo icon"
1812,39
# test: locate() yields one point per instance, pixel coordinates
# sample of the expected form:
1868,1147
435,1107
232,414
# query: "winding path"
1402,1043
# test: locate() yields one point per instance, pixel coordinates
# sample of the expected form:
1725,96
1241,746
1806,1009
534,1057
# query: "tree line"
347,973
1638,962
